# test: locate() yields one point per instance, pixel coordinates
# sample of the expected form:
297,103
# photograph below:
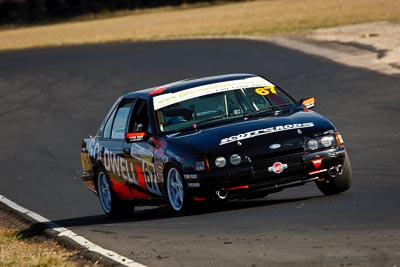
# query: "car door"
112,145
140,153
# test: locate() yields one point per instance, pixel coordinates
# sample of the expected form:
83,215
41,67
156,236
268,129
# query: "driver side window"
116,124
139,120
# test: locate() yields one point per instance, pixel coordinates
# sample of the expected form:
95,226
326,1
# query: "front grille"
278,154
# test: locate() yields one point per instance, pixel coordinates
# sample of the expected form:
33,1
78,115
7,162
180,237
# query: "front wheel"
176,190
111,204
340,183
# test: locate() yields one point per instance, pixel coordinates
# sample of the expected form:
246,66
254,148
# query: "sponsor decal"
193,184
200,166
138,152
265,131
126,169
134,137
113,163
145,157
277,167
190,176
164,100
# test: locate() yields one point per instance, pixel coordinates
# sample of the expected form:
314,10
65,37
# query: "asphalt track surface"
51,98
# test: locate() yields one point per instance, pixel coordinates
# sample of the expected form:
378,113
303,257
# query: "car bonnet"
256,135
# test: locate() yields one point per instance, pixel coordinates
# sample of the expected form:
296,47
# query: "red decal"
317,162
140,175
238,187
135,136
158,91
124,191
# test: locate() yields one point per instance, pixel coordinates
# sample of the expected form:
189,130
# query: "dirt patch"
379,41
374,46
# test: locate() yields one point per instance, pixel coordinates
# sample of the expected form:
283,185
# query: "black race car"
211,139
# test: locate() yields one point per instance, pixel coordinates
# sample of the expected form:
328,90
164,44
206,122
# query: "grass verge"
17,249
255,18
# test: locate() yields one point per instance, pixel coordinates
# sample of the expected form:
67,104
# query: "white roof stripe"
164,100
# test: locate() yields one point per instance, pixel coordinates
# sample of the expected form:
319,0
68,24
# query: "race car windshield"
222,107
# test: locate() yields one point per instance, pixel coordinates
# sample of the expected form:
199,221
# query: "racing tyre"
340,183
111,204
176,190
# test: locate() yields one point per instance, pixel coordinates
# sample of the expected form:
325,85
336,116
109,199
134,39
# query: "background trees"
38,11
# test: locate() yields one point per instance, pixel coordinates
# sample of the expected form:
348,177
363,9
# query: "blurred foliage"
39,11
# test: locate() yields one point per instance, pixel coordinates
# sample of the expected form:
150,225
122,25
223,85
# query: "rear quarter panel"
87,166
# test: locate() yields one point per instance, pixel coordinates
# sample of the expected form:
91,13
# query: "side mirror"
308,102
135,137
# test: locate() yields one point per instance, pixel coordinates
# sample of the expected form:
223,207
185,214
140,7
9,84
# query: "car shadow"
151,214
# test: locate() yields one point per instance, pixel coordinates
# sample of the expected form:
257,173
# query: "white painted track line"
65,232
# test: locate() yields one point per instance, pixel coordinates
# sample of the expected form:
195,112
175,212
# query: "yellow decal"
266,90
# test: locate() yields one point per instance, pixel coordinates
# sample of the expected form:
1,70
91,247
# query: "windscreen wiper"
208,120
194,125
266,110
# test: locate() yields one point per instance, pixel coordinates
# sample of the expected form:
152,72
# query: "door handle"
127,151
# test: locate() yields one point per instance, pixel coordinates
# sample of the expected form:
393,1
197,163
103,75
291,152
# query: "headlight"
324,141
235,159
220,162
327,141
313,144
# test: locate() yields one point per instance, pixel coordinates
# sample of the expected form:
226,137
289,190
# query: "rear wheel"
340,183
111,204
176,190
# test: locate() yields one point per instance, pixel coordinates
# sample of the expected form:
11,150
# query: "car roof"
186,84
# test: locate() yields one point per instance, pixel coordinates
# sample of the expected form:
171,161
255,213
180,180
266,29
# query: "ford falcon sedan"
209,140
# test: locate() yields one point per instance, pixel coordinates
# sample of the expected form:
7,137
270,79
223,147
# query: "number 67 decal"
266,90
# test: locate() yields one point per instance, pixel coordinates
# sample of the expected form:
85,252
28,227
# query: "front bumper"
259,175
